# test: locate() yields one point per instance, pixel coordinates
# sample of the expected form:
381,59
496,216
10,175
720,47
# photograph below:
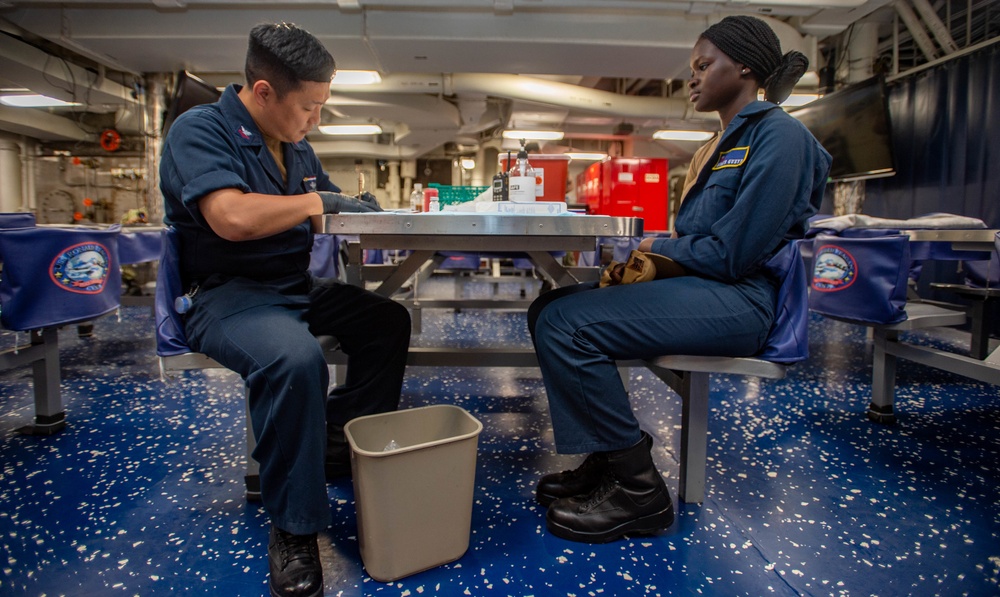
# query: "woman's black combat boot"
579,481
630,499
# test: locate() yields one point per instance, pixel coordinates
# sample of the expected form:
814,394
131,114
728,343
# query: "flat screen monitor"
189,91
853,125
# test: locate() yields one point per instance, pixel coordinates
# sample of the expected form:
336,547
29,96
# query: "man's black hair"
285,56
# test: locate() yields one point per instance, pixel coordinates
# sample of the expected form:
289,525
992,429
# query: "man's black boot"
338,453
295,567
631,499
579,481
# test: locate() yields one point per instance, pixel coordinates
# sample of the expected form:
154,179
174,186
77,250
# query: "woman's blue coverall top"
766,179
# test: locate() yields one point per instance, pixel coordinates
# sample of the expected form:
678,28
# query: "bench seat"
689,377
887,347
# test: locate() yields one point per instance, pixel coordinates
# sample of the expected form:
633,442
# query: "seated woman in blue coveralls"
765,179
240,183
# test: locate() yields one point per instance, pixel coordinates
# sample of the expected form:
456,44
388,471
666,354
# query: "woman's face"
717,81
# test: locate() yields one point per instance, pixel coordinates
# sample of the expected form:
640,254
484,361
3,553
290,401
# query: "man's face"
715,78
291,117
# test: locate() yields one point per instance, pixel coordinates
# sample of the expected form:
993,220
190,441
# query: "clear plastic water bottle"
417,197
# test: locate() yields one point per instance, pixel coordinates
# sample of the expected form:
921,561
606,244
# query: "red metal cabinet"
635,187
588,188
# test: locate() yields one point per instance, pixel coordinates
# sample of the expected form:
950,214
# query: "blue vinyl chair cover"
170,337
17,220
323,260
860,278
139,246
58,276
984,274
788,339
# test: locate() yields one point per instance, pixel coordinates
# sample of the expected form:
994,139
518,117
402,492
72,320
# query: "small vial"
417,197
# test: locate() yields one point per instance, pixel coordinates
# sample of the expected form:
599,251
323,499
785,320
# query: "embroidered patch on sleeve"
734,158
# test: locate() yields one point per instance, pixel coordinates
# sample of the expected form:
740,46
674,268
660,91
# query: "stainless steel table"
428,233
959,239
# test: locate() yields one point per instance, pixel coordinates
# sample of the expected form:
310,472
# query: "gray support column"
152,122
694,436
10,175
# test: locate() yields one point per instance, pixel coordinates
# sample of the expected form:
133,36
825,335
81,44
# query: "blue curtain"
946,142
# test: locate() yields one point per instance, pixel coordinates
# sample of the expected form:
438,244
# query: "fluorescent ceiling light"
356,77
585,155
534,135
350,129
799,99
668,135
33,100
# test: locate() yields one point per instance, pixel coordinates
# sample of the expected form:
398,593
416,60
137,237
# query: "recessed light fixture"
534,135
34,100
669,135
356,77
350,129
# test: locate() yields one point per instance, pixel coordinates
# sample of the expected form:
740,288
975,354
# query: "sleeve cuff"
212,181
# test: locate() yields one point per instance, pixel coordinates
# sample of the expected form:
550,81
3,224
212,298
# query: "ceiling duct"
530,89
36,70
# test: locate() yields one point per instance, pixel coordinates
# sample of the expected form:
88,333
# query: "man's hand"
334,203
370,199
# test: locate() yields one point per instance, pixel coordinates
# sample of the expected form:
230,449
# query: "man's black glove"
370,199
334,203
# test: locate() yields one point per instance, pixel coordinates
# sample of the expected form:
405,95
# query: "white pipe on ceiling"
531,89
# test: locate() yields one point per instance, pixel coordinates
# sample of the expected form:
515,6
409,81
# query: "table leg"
552,268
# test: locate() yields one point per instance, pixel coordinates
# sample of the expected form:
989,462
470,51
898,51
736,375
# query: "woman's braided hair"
749,41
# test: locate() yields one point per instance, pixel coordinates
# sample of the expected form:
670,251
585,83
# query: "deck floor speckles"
142,494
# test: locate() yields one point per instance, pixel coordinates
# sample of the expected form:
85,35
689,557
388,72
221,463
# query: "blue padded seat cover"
58,276
139,247
17,220
170,338
788,339
860,278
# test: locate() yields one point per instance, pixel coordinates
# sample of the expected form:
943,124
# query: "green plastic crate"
448,194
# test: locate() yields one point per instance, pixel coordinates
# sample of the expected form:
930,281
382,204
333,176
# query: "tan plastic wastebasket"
414,502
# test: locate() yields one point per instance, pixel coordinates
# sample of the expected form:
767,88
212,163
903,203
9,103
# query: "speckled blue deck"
142,494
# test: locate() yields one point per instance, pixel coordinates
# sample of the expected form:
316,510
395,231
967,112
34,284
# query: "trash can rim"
422,446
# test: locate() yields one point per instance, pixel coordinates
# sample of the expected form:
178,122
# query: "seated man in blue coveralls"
240,184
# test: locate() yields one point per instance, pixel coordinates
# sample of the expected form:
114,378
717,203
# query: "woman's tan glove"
641,267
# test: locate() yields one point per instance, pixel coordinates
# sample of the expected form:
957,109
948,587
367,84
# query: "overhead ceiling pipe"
34,69
916,29
530,89
41,125
938,29
378,151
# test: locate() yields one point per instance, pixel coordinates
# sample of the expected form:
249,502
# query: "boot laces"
608,486
296,547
